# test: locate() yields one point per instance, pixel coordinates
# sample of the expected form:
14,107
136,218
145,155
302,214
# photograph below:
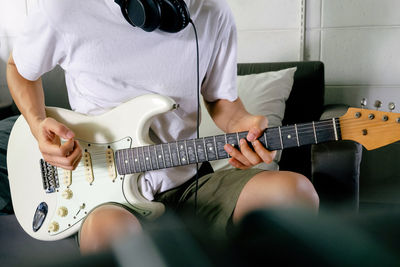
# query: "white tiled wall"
269,30
358,40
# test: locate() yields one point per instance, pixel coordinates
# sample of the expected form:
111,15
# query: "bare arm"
29,98
233,117
27,95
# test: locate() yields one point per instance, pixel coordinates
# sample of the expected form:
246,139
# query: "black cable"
198,110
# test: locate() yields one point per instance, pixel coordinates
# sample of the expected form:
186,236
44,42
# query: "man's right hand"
49,134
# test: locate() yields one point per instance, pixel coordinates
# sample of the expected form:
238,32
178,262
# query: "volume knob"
62,211
54,226
67,194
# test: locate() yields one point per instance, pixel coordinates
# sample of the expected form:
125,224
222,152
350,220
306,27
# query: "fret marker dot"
159,156
183,159
181,147
135,160
289,136
210,149
126,162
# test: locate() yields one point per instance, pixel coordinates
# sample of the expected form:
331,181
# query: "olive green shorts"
217,195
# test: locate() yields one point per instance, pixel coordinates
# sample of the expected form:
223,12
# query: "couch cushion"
262,94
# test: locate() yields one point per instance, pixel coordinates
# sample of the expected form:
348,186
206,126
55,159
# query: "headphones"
167,15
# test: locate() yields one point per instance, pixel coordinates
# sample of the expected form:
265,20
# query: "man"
107,62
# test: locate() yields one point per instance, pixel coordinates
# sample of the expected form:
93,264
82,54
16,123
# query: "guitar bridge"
49,177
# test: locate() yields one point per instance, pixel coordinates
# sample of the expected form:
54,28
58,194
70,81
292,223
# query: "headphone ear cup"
145,14
174,15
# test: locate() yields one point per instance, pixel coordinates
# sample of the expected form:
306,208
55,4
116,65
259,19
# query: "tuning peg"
363,103
378,104
392,106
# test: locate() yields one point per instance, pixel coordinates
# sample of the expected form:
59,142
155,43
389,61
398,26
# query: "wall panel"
368,56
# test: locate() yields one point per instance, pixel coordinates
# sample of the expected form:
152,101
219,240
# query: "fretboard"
185,152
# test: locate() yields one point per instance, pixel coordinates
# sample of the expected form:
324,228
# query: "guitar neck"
180,153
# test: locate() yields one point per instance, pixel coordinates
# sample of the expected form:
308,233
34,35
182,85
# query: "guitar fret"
187,154
297,135
170,154
155,153
130,156
226,142
163,155
142,169
119,152
205,149
216,149
195,151
237,138
211,149
119,165
182,147
280,136
177,151
151,162
201,153
126,170
315,133
122,164
145,161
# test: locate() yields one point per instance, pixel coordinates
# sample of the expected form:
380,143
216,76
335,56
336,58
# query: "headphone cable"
198,110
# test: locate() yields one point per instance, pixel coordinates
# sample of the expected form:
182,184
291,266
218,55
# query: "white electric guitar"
50,203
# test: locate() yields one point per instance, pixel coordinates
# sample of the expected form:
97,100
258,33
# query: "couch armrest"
335,169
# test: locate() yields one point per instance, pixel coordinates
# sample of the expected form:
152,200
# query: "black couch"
332,167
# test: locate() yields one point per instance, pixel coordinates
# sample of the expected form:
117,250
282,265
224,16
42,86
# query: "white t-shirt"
108,62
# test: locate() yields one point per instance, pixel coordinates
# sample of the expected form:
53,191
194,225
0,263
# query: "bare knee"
276,189
104,225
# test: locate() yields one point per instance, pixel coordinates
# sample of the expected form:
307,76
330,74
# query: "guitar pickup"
87,160
110,164
67,178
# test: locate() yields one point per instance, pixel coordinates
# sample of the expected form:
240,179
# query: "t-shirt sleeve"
220,81
39,48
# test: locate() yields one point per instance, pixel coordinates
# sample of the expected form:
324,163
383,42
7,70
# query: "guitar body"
58,211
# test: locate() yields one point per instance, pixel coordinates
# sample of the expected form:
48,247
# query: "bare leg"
104,225
274,189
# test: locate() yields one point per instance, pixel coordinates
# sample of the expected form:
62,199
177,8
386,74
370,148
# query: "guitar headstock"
371,128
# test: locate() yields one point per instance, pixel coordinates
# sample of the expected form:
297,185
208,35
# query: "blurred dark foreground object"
290,237
296,237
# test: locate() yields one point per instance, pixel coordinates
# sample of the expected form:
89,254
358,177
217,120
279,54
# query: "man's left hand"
246,157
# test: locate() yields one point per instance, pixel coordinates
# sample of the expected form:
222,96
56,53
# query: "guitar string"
302,129
376,128
352,125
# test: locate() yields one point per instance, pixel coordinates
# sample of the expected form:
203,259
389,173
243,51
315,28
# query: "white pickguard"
123,127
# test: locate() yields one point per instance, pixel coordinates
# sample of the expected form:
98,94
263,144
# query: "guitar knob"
53,227
67,194
62,211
